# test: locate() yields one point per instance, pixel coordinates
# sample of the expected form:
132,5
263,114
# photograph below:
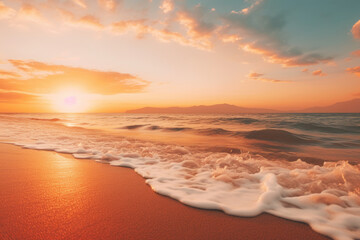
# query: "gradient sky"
114,55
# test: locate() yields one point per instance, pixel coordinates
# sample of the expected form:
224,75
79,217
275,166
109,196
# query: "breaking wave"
46,119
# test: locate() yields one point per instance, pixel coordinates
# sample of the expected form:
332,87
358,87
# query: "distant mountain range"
352,106
202,109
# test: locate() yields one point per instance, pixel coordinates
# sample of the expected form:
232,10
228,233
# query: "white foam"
326,197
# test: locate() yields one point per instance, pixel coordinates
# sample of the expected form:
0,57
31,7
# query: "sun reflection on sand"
65,186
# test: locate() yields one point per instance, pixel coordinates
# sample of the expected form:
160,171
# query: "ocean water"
302,167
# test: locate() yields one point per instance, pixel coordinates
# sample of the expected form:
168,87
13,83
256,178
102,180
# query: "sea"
302,167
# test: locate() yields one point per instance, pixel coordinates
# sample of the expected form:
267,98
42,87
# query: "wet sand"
46,195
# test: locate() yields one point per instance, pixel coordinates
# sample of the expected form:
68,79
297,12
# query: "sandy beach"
46,195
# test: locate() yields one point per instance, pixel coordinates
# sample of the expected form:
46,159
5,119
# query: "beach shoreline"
47,195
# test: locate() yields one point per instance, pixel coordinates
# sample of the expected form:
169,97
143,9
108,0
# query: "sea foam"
326,197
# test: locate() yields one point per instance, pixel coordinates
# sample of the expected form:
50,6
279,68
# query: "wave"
176,129
131,127
321,128
215,131
206,132
325,196
277,135
47,119
240,120
345,144
168,129
154,127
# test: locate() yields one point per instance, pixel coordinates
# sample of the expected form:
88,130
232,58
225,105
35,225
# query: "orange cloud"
31,13
258,76
166,36
80,3
229,38
91,21
274,80
109,5
356,53
15,97
254,75
87,21
356,30
138,26
319,73
355,70
167,6
287,61
197,31
192,25
305,70
141,28
248,9
6,12
9,74
47,78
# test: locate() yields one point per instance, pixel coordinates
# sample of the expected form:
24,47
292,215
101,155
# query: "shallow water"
303,167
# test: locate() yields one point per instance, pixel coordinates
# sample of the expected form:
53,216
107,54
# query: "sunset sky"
114,55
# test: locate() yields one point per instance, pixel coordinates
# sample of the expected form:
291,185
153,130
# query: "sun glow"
71,101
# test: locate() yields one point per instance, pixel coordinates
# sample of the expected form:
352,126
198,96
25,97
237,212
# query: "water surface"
303,167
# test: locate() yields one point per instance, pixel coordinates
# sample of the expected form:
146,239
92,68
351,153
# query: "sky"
115,55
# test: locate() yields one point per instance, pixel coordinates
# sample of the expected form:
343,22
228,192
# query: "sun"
70,101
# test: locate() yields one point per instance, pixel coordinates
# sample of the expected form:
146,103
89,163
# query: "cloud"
167,6
190,29
319,73
286,57
90,21
254,75
356,53
355,70
6,12
140,27
29,12
305,70
109,5
265,35
248,9
356,30
196,29
254,32
274,80
15,97
201,28
9,74
87,21
259,76
47,78
80,3
230,38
